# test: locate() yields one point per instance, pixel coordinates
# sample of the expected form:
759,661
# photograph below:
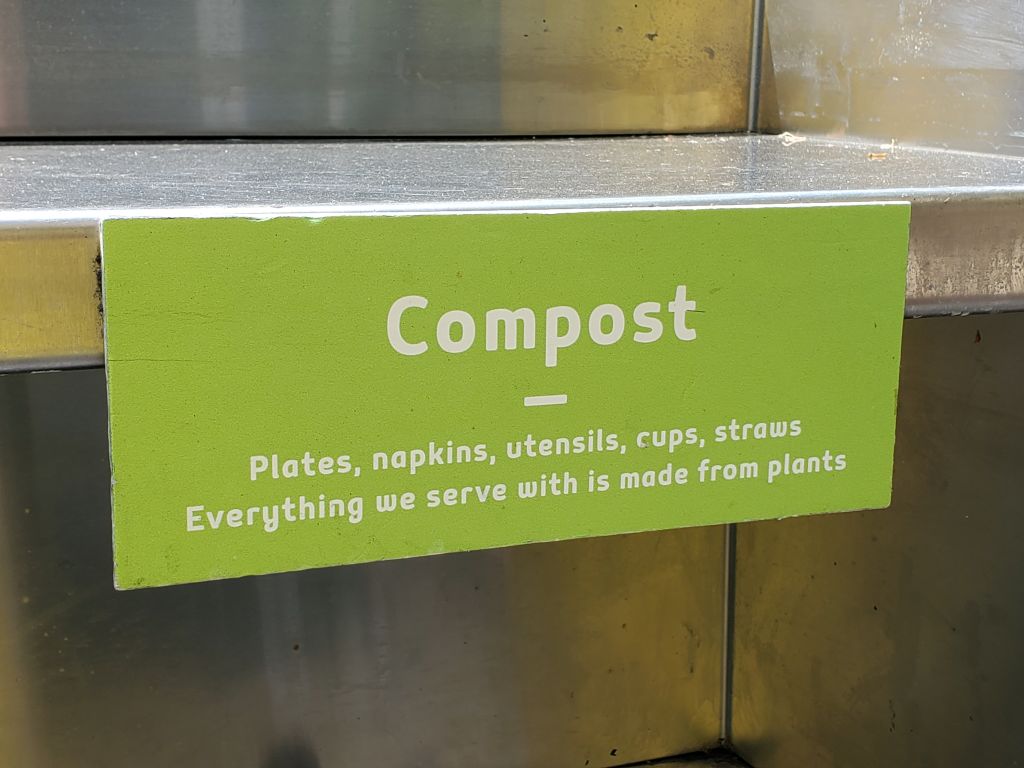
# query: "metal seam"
756,52
728,616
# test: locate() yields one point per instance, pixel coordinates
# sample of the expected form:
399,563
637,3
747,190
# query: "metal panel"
50,302
942,72
372,67
967,232
893,637
599,652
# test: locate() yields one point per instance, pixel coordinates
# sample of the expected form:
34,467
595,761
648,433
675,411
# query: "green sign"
295,393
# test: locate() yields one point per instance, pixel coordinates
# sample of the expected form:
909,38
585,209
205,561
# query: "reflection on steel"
942,72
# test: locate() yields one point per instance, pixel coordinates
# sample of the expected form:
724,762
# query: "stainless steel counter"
966,250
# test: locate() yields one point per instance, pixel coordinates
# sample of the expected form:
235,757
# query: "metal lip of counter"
967,227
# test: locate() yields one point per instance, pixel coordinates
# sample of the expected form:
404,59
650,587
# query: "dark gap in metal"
335,138
712,758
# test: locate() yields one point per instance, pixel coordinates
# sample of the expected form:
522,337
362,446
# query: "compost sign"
294,393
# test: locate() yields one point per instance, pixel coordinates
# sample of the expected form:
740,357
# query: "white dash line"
545,400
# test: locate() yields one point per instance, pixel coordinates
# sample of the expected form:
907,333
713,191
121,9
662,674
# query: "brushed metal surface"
603,650
893,637
967,231
372,67
942,72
